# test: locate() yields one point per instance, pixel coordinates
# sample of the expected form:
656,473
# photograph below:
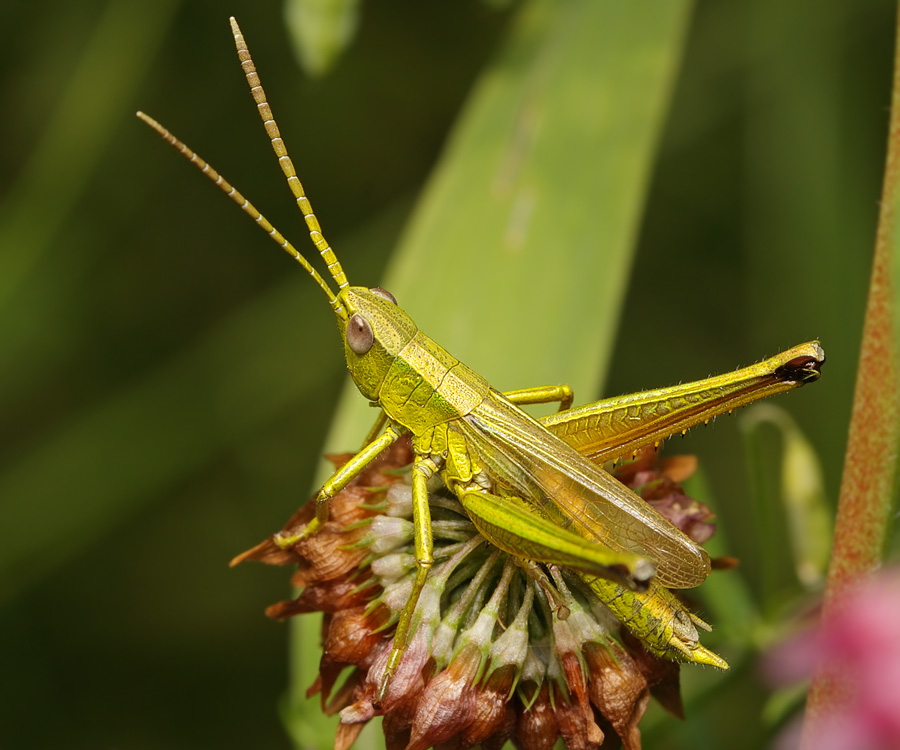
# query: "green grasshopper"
534,488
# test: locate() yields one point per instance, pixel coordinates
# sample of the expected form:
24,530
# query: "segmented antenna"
247,207
287,166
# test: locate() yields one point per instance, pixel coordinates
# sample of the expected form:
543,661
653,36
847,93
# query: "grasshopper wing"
522,456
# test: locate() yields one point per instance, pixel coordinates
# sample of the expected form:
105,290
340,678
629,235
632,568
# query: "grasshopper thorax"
374,330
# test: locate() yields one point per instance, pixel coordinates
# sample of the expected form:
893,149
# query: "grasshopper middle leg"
423,468
543,394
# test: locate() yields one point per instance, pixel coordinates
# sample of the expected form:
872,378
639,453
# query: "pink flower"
859,648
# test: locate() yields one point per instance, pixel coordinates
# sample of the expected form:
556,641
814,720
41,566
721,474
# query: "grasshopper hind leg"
509,524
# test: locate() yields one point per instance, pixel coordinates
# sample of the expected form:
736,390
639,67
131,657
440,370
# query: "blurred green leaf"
320,30
725,595
802,495
518,255
73,139
105,457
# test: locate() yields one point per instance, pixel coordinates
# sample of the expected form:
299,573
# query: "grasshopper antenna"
287,166
247,207
284,160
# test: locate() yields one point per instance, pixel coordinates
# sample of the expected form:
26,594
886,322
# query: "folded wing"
520,455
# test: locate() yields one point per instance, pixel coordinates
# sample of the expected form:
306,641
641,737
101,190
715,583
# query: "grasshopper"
534,488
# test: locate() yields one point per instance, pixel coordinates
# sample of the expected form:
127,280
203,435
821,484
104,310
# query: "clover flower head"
493,654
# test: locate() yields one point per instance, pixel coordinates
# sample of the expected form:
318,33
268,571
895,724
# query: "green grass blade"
518,255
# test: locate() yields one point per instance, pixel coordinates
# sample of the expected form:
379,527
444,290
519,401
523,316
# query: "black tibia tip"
801,369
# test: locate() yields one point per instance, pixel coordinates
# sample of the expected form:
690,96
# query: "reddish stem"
870,466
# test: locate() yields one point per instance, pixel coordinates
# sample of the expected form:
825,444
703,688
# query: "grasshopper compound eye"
359,334
384,294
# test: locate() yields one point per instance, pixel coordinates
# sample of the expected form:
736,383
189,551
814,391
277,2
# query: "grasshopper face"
374,332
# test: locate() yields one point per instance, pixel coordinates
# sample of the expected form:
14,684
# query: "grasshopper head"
374,331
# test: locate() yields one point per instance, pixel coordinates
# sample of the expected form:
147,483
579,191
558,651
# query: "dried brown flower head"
489,657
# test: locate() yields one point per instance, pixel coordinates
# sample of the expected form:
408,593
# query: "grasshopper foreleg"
340,479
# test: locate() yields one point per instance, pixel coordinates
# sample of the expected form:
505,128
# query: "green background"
168,378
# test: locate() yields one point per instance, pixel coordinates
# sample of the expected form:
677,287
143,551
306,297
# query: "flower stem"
868,488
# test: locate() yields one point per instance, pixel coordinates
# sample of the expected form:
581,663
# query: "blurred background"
168,379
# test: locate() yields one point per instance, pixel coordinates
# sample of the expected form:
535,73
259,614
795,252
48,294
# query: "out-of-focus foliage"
320,31
168,376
